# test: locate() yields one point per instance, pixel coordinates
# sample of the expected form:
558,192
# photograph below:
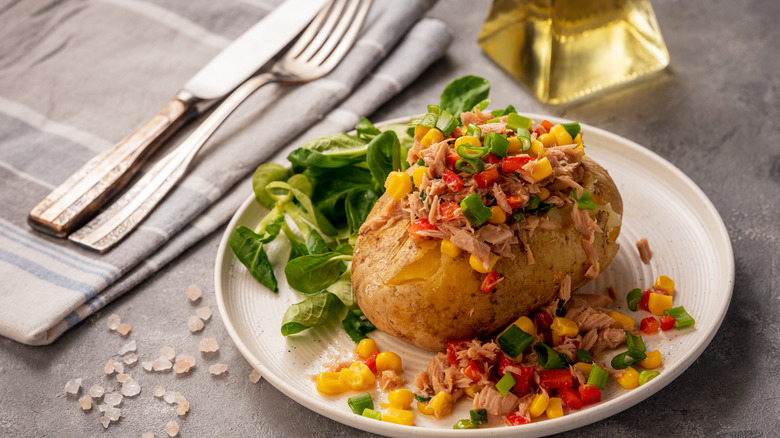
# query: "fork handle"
96,182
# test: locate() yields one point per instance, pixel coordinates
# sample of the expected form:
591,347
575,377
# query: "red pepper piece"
547,125
571,398
492,158
447,211
643,303
539,130
453,181
453,347
489,281
522,379
370,361
667,322
542,321
452,158
473,371
486,178
649,326
517,419
555,379
511,164
589,394
420,225
456,133
514,201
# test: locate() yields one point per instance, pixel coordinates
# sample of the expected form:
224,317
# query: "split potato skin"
409,289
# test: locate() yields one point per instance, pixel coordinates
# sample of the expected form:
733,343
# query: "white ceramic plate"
689,242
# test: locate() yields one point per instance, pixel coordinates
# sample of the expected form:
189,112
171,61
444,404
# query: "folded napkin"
75,77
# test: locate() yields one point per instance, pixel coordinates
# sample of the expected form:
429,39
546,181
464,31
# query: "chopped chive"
495,120
505,384
483,104
525,143
518,217
470,151
474,210
446,122
361,402
683,318
633,298
370,413
498,144
572,128
584,356
598,377
585,202
521,125
514,341
548,358
474,131
421,162
619,362
634,342
469,165
478,416
646,376
464,424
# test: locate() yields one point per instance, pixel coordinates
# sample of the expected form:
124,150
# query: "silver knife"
96,182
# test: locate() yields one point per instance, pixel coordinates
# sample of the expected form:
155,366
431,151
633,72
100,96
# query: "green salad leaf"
463,94
357,325
264,174
248,247
313,273
313,311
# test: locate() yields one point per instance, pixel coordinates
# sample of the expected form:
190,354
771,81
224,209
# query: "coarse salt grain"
113,414
122,377
102,407
181,366
168,353
109,368
195,324
113,398
130,358
127,348
179,398
254,376
204,313
208,345
217,369
161,364
124,329
96,391
85,402
119,367
113,322
130,388
148,364
159,391
183,408
194,292
73,387
172,428
189,359
170,397
105,421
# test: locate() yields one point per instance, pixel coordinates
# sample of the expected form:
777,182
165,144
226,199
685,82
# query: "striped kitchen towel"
77,76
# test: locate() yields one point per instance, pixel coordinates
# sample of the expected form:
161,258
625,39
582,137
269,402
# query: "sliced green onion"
478,416
505,384
421,162
474,210
634,342
503,112
646,376
584,202
619,362
584,356
446,122
470,151
498,144
422,399
533,203
683,319
370,413
464,424
525,143
572,128
474,131
470,165
495,120
521,125
548,358
483,104
518,217
514,340
410,131
633,298
598,377
361,402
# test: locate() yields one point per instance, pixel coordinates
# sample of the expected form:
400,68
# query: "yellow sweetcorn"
515,146
476,264
417,175
544,193
538,405
526,324
431,137
564,327
554,408
561,135
472,390
366,347
469,140
358,376
626,322
387,360
400,398
578,141
580,150
542,169
652,361
629,379
398,185
498,215
398,416
537,148
441,404
584,368
449,249
546,140
329,383
420,131
657,303
424,408
664,283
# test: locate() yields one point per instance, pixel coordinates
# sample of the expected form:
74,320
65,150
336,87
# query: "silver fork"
317,51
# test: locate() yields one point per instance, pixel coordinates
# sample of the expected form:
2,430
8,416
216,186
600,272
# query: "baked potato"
409,289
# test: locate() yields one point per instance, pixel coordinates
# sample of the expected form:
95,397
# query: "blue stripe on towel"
72,319
54,278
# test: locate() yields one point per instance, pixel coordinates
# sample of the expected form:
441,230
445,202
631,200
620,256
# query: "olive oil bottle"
567,49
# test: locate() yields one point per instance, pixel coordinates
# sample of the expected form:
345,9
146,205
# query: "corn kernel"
542,169
544,193
398,185
629,379
398,416
664,283
449,249
387,360
554,408
424,408
417,175
526,324
431,137
537,148
329,383
562,136
653,360
366,347
547,140
515,146
441,404
579,150
472,390
498,215
400,398
468,140
358,376
578,140
564,327
420,131
476,264
584,368
657,303
626,322
539,405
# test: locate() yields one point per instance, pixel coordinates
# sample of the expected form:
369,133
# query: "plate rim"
568,422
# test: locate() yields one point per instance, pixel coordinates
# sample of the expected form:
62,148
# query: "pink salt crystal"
124,329
96,391
181,366
194,292
130,358
113,322
218,368
195,324
189,359
119,367
254,376
113,398
161,364
170,397
86,403
183,408
127,348
179,398
147,365
172,428
130,388
113,414
159,391
168,353
208,345
203,313
109,369
73,387
105,421
122,377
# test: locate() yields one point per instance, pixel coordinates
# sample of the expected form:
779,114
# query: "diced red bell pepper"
370,361
517,419
493,158
419,225
456,133
571,398
473,371
667,322
589,394
542,320
646,298
555,379
447,211
453,347
547,125
514,201
565,339
511,164
649,326
539,130
452,158
489,281
487,177
453,181
522,379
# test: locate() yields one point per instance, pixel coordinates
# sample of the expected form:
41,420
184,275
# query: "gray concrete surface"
714,113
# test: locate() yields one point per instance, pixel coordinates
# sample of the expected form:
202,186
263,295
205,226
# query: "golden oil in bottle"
566,49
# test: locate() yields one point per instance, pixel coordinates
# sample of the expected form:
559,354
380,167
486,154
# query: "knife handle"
85,192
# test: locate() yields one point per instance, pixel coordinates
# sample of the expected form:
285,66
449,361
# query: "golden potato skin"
446,303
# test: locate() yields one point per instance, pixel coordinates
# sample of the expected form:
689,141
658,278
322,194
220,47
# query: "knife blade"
86,191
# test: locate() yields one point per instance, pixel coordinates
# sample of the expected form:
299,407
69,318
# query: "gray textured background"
714,114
